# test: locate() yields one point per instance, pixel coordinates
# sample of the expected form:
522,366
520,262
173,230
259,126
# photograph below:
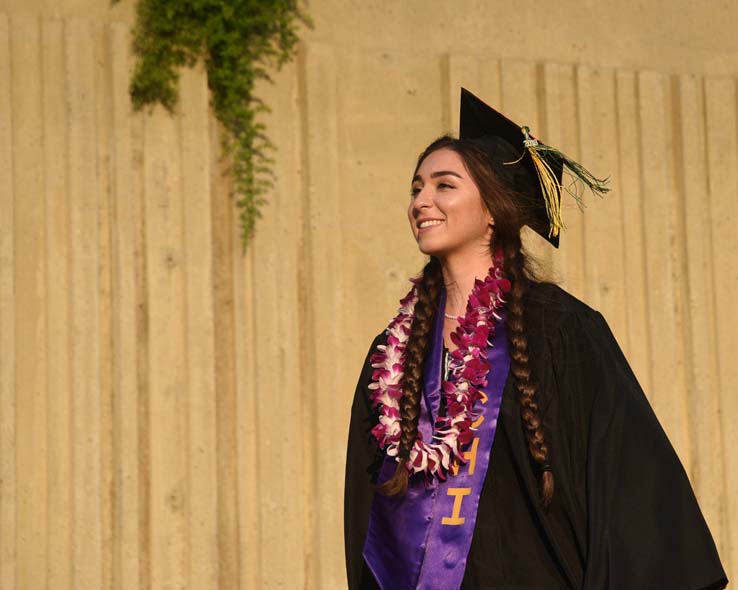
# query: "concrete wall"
173,414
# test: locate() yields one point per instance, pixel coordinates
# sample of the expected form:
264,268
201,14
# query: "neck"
458,277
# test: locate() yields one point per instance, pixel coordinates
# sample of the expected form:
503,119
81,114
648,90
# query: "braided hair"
508,194
429,291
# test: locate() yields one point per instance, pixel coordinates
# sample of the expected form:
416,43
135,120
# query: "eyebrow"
437,174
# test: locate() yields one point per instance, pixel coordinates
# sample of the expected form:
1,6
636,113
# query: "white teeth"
430,222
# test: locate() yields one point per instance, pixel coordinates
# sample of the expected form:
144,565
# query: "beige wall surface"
173,414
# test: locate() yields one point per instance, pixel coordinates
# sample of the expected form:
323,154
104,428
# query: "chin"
430,249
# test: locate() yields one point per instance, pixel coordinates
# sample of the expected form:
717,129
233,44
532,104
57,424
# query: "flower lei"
468,371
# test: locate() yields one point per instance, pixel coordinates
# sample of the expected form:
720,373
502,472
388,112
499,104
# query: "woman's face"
447,215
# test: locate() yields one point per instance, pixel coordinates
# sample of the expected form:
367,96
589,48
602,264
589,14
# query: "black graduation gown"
623,517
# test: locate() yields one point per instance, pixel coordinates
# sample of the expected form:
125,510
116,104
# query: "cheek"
474,225
471,220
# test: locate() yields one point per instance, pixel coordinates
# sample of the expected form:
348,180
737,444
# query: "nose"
423,199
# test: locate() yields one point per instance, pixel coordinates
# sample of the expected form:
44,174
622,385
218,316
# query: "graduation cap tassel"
551,188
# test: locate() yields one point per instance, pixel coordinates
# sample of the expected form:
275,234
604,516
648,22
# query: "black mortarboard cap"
529,166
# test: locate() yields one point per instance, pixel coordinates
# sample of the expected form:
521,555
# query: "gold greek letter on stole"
458,494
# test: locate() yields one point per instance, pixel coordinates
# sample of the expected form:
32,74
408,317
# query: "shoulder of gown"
624,499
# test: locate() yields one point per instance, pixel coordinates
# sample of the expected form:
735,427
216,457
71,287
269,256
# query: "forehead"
443,159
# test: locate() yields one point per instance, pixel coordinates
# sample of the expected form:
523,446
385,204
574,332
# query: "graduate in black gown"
498,437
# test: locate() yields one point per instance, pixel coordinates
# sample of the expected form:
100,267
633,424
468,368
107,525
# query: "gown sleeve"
644,526
362,459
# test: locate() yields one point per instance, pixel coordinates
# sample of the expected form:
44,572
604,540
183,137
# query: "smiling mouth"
429,223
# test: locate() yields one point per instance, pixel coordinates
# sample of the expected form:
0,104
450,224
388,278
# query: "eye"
445,185
414,191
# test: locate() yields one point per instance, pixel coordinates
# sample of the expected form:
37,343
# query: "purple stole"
421,541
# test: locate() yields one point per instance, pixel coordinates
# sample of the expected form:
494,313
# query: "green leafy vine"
239,42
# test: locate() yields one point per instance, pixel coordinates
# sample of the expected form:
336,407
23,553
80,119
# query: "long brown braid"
429,290
507,194
514,269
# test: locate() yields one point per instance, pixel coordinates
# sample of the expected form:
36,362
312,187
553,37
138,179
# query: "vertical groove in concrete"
125,529
722,150
225,247
143,329
679,244
85,289
59,425
246,322
306,350
247,418
646,230
8,509
629,179
102,116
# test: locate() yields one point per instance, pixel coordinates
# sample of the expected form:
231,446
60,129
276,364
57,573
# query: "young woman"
498,438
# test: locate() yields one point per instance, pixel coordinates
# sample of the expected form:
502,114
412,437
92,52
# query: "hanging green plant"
239,42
